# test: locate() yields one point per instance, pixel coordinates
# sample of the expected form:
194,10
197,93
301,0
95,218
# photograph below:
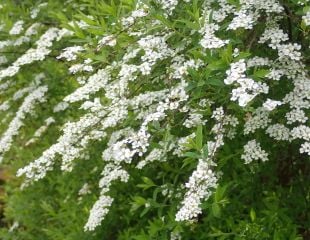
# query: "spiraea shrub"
153,119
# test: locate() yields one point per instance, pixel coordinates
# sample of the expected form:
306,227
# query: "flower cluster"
28,105
306,18
34,54
253,151
152,88
17,28
248,89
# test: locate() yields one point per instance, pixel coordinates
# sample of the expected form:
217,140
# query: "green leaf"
148,183
199,137
220,193
261,73
192,155
252,214
216,210
205,151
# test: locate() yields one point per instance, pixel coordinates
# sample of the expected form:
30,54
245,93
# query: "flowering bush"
155,119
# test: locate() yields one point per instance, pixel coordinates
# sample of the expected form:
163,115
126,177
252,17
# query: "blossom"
253,151
209,39
259,120
306,18
27,107
17,28
271,104
248,88
279,132
98,212
70,53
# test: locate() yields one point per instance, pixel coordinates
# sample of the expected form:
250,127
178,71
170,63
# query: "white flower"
306,18
253,151
209,39
193,120
5,106
289,50
279,132
27,107
305,148
109,40
70,53
260,120
236,72
168,5
98,212
243,19
17,28
199,186
296,115
301,132
271,104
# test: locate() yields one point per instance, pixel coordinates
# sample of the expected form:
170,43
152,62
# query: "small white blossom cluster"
156,154
81,67
290,50
69,147
200,186
253,151
60,107
94,83
27,107
279,132
36,10
243,19
102,205
98,212
250,10
248,89
70,53
276,36
108,40
203,179
34,54
5,106
260,120
180,66
271,104
85,189
301,132
17,28
14,226
275,74
305,148
32,30
193,120
209,39
257,62
129,21
175,236
181,146
296,115
155,48
306,18
32,86
168,5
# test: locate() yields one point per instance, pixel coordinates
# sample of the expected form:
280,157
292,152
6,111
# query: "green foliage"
261,201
